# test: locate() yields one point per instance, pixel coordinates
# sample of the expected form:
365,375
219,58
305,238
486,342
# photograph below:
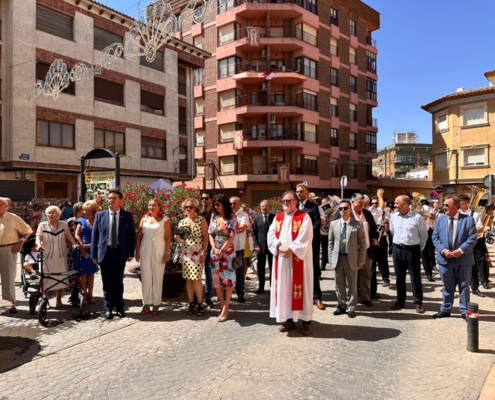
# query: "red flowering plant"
275,204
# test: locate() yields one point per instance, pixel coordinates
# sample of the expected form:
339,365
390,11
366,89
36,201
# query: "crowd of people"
353,237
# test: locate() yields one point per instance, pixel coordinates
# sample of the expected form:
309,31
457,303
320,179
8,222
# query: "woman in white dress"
52,236
153,251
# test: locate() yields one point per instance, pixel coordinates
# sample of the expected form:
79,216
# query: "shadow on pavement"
16,351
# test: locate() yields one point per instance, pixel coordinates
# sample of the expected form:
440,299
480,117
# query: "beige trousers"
8,262
364,278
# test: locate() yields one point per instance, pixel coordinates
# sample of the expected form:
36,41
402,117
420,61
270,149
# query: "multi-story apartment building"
462,128
137,109
287,97
404,155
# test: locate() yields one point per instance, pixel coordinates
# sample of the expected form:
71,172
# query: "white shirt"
240,238
322,214
110,222
377,214
476,216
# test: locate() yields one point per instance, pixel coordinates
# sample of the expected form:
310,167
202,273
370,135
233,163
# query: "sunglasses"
343,208
205,198
189,207
287,201
216,205
446,206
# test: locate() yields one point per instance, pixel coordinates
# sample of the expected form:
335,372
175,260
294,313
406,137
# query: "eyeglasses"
189,207
343,208
287,201
216,205
446,206
205,198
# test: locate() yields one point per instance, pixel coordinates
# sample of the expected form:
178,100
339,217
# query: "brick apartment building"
138,109
292,83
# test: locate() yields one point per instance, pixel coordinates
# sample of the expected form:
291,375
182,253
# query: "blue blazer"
314,213
465,239
101,232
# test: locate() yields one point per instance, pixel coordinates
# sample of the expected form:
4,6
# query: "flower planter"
173,282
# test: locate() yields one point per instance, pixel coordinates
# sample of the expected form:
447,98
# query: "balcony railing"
262,99
306,37
306,171
371,95
262,65
230,4
279,134
268,168
371,66
308,71
373,122
371,41
272,32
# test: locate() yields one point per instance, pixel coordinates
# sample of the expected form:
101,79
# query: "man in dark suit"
454,237
261,224
112,244
359,213
313,210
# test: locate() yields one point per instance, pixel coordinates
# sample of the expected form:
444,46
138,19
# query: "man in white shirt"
239,244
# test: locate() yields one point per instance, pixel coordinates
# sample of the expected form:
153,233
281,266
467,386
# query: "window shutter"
103,38
156,64
120,143
110,91
41,71
153,100
474,156
43,135
99,139
443,123
54,23
55,134
68,136
474,116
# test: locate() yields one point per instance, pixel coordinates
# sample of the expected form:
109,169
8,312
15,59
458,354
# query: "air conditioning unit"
264,153
273,118
263,53
264,86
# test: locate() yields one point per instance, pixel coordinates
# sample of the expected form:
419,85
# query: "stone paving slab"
381,354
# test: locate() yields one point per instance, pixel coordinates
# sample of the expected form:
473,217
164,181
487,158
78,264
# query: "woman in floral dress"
222,233
193,253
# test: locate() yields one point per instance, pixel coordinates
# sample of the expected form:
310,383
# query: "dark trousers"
453,275
407,260
208,277
112,276
262,268
239,276
426,255
479,252
431,249
324,251
380,259
316,268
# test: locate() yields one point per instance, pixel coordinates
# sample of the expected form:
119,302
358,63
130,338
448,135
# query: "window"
200,138
110,92
442,123
181,76
307,100
307,67
54,134
352,55
42,70
334,77
441,161
334,137
371,61
226,67
103,38
352,140
152,103
473,115
306,132
182,121
113,141
371,89
333,47
306,165
198,76
473,157
352,171
333,169
153,148
371,142
54,23
352,27
352,113
157,63
225,6
227,165
310,5
334,16
353,84
334,109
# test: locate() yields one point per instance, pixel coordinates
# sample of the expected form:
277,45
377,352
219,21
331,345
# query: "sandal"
155,310
201,310
59,305
223,319
145,310
190,310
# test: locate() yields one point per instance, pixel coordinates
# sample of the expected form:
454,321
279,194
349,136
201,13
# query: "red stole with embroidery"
297,263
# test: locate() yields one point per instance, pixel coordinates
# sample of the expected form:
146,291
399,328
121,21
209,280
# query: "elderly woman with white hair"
52,236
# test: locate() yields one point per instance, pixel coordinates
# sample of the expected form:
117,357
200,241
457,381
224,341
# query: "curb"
488,389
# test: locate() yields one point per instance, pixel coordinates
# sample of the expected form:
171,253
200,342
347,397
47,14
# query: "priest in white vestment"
289,239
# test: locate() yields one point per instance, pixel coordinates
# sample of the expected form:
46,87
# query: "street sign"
486,180
343,181
439,189
23,156
434,195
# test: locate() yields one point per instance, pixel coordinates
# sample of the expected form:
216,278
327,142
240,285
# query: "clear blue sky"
426,49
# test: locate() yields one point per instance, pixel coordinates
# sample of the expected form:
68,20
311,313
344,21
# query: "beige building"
462,131
141,110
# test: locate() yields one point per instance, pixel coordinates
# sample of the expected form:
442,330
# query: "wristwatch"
279,244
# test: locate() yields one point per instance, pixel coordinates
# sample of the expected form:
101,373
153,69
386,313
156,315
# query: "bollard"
472,319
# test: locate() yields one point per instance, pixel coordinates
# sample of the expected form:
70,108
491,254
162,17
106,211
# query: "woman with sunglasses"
153,250
193,253
222,232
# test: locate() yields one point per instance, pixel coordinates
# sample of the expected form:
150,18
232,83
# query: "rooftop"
461,94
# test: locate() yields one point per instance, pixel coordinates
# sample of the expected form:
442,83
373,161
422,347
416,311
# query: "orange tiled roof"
458,95
490,74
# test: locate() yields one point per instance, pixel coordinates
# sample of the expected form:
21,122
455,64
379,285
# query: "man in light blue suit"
454,237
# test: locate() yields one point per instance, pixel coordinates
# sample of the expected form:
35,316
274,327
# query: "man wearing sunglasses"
206,211
347,253
454,237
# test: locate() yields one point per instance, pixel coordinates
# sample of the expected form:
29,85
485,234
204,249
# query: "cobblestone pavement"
381,354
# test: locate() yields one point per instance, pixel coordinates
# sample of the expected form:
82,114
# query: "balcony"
279,134
252,5
309,102
371,66
262,99
372,122
260,71
371,42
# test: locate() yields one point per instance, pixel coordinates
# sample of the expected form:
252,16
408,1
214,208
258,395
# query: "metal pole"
491,188
341,189
472,319
82,180
117,169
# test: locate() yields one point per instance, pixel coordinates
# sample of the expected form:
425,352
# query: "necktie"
301,206
266,219
113,233
343,239
451,233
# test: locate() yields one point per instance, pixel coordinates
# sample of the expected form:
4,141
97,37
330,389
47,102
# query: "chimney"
461,89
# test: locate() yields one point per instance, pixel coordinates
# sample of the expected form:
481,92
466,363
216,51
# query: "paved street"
381,354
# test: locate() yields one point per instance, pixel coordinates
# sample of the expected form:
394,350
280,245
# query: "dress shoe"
108,315
376,296
386,282
306,329
486,285
12,310
339,311
120,314
351,314
441,314
463,316
430,278
397,306
260,291
420,310
477,292
367,303
241,299
209,304
287,326
319,305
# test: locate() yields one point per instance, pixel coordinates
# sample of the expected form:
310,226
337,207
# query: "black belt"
113,247
342,254
405,247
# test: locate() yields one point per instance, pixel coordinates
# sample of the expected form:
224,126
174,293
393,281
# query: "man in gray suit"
347,253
